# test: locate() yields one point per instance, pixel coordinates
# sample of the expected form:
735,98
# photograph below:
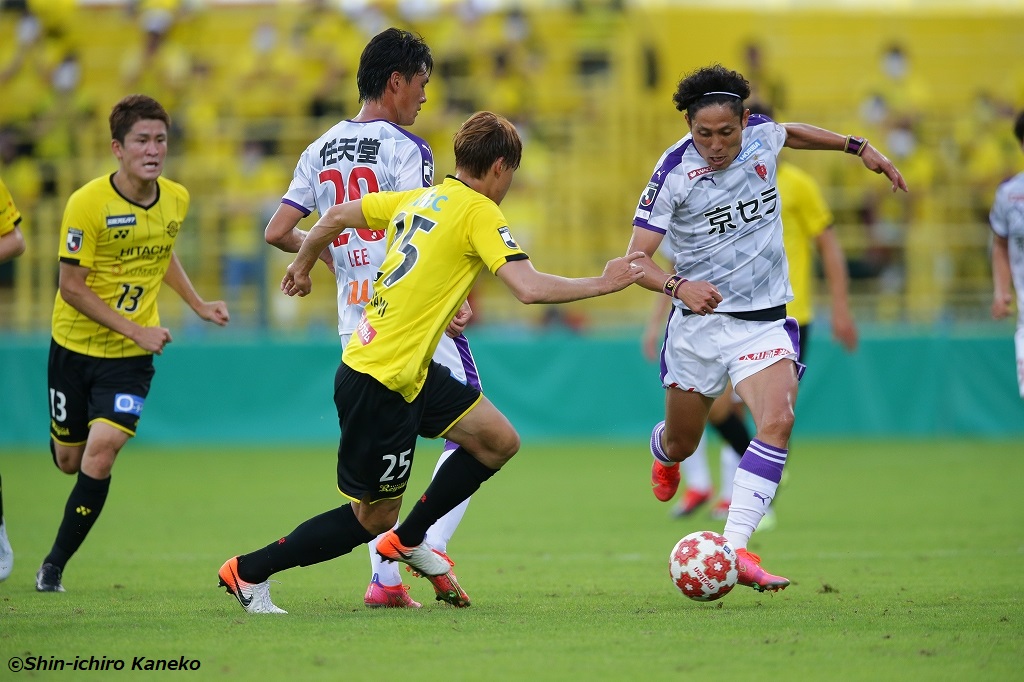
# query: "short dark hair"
713,84
1018,128
483,139
132,109
391,50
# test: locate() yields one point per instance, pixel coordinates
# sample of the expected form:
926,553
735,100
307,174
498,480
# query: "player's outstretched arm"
804,136
699,296
177,279
337,218
531,286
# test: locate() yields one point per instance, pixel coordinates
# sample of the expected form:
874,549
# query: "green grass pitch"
905,558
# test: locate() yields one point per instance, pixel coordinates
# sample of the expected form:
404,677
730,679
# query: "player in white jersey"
372,153
1007,221
713,195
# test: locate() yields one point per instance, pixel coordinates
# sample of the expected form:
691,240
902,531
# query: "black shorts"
84,390
379,428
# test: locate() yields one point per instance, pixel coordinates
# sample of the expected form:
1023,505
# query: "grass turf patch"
902,554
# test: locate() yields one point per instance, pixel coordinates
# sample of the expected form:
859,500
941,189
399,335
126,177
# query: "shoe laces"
664,474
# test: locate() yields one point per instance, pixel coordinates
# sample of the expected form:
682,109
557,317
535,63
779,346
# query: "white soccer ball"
703,566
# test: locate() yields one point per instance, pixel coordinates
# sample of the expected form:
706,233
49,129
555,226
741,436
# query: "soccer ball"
703,566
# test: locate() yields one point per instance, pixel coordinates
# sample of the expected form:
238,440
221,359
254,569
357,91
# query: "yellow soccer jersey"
805,215
9,215
127,249
439,239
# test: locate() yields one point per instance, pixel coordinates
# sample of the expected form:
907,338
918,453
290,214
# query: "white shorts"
703,352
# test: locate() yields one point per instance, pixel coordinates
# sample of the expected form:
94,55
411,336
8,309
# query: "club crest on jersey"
506,236
749,151
173,227
761,170
74,241
647,198
121,220
696,173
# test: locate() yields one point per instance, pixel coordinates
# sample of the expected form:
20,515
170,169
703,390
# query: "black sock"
734,431
319,539
459,477
80,513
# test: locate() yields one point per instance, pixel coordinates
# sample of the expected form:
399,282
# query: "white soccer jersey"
1007,221
724,227
350,160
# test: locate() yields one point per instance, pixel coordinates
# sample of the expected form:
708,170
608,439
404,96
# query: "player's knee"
502,448
677,449
778,425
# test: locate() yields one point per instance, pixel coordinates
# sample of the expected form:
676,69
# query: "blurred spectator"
160,65
250,197
904,94
765,84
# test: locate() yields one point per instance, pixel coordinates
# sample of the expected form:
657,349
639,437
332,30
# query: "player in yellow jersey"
388,390
12,245
116,250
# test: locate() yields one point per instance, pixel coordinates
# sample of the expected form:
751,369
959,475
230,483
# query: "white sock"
386,572
752,491
695,467
729,460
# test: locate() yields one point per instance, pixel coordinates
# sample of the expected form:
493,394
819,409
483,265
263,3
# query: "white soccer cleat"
254,597
422,558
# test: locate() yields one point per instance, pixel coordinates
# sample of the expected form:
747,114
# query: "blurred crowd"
588,82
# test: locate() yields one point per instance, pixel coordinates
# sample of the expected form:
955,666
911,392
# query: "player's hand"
296,282
620,272
459,322
214,311
328,259
152,339
1001,305
875,161
700,297
844,330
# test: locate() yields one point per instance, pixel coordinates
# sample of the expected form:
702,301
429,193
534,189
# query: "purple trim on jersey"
758,119
764,460
426,153
792,328
468,363
672,159
638,222
305,211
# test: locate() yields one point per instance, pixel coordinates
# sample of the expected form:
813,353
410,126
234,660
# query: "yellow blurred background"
248,85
